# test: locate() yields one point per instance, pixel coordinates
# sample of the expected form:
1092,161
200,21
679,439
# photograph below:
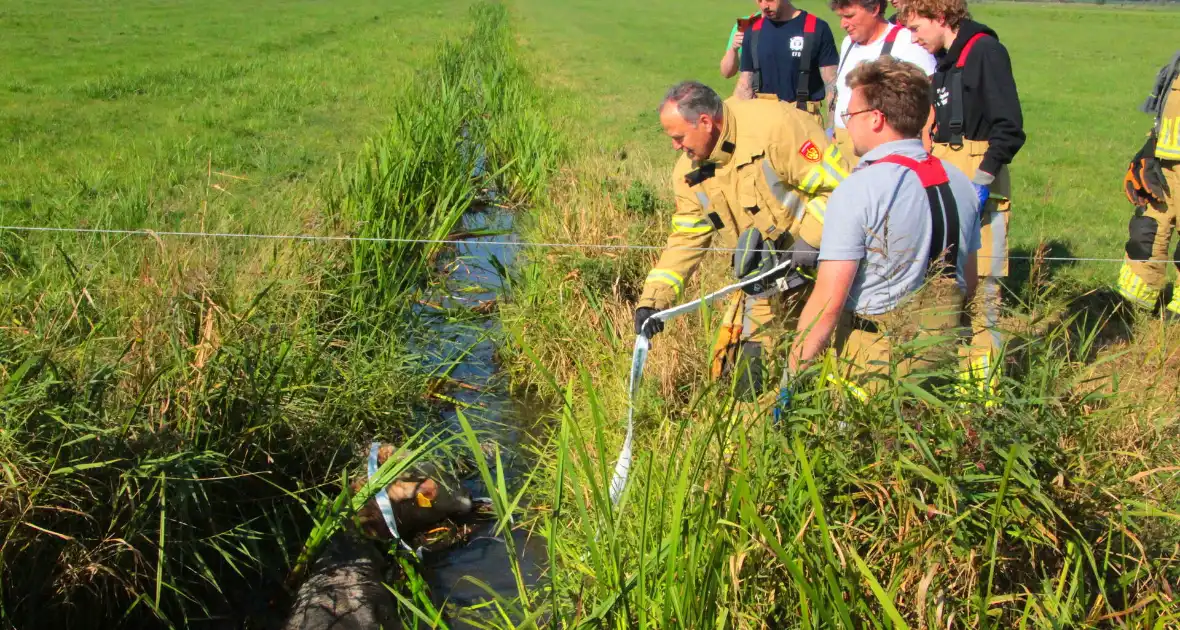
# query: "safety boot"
979,380
1135,290
1171,311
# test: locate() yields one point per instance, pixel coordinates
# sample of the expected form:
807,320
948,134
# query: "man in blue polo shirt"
898,259
790,54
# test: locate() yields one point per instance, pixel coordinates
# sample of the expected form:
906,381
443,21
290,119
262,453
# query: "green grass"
176,413
913,510
114,113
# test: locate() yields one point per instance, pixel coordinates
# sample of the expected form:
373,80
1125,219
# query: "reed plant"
468,130
172,413
918,508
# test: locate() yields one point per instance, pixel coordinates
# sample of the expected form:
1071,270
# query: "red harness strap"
803,81
958,113
962,60
890,37
944,212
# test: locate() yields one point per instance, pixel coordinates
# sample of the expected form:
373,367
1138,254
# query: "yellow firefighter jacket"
1167,146
772,168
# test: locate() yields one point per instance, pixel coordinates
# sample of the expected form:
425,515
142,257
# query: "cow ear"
428,488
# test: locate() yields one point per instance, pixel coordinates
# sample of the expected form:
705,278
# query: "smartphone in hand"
743,23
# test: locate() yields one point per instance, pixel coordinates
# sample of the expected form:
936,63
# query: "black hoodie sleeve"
1001,109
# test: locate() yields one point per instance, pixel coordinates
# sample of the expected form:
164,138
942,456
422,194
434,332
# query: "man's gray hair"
872,6
693,98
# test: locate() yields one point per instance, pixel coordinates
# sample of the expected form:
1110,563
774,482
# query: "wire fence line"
452,241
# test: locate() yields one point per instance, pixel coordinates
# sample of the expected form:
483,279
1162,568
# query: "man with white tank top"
869,37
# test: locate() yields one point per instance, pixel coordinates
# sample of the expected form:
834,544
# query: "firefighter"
758,172
788,54
978,127
898,258
869,37
1152,184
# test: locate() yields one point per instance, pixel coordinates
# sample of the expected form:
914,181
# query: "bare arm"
820,315
744,87
729,64
732,60
829,76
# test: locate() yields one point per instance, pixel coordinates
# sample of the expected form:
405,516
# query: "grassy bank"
1057,509
174,410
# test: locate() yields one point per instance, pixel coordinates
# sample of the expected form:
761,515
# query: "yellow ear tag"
423,502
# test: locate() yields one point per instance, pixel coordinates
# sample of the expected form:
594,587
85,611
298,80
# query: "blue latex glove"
782,404
831,133
982,193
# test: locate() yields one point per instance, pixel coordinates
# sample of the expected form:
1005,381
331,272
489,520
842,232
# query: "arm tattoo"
743,89
829,75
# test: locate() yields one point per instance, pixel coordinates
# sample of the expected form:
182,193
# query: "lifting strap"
890,38
944,212
803,84
755,31
955,125
384,504
886,48
1158,99
639,359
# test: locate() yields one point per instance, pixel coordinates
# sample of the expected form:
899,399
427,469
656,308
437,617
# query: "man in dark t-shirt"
780,49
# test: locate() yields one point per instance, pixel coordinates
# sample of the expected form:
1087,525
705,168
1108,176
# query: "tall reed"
467,130
915,509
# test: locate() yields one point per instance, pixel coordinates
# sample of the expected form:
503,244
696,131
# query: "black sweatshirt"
991,107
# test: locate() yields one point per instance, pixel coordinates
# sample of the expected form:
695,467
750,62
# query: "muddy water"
472,273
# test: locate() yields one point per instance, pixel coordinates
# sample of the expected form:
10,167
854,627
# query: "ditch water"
463,338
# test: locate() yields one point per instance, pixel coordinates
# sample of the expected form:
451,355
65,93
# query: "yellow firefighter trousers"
984,354
906,337
1140,282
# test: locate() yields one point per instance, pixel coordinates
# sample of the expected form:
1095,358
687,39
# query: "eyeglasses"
847,116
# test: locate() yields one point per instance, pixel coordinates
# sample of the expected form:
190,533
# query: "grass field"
1081,72
114,113
177,413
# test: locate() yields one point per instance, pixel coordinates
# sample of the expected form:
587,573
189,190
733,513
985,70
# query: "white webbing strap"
639,359
383,502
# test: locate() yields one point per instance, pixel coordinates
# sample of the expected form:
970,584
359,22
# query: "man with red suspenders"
978,127
869,37
897,260
788,54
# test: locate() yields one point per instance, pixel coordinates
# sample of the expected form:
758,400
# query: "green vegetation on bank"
177,415
1058,508
175,410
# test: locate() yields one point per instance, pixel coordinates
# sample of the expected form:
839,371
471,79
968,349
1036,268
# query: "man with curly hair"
978,127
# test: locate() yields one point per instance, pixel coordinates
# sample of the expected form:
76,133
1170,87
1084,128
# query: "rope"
417,241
